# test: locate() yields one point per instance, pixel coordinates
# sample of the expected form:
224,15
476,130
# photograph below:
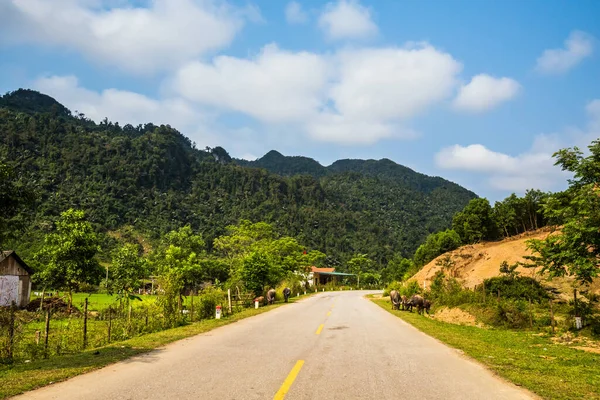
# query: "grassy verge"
553,371
18,378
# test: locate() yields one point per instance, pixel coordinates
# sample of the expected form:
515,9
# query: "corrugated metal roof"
336,273
322,270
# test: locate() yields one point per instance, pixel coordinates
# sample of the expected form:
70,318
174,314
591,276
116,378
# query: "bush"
392,286
449,292
410,288
208,300
511,314
516,288
295,285
404,288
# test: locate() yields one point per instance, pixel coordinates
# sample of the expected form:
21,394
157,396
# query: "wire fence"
52,329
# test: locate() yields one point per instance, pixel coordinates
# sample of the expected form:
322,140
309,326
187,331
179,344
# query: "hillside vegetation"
154,179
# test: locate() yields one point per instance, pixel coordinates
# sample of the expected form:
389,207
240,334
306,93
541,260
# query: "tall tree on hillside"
475,222
505,216
575,250
68,257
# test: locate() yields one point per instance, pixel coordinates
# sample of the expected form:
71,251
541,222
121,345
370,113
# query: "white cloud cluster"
534,168
276,85
294,14
347,19
145,40
578,46
352,96
485,92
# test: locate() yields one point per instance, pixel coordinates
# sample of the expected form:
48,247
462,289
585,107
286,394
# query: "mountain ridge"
154,179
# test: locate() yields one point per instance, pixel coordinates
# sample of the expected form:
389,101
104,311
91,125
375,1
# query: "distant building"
15,280
322,276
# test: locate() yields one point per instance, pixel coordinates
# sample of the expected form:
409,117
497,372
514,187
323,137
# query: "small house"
322,276
15,280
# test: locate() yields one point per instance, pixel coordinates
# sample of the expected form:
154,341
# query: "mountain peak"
31,101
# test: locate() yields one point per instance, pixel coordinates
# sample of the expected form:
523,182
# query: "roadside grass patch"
528,359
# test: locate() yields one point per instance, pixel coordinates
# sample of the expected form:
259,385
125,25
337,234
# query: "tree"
126,270
475,222
258,271
181,255
68,257
505,216
575,250
396,268
358,264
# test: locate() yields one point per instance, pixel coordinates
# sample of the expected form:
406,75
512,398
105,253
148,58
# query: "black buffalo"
420,303
271,296
286,293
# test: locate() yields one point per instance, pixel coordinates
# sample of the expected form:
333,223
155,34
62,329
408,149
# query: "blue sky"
478,92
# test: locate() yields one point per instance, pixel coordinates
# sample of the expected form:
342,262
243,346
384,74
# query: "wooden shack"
15,280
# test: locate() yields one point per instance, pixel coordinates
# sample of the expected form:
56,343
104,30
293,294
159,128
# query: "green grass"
553,371
18,378
100,301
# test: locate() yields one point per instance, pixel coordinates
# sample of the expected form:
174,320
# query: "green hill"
152,178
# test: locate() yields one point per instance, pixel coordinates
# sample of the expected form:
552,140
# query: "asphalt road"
334,345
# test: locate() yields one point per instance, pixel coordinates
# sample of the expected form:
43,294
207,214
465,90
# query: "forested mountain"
154,179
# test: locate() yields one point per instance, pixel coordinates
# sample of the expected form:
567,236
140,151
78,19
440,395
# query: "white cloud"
485,92
347,19
165,34
532,169
353,96
294,13
117,105
274,86
392,83
578,46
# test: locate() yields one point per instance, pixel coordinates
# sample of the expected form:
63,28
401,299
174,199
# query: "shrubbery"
404,288
519,287
449,292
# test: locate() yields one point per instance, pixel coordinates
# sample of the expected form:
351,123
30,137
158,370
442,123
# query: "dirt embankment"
472,264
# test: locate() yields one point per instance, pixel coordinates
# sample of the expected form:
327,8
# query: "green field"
18,378
99,301
529,359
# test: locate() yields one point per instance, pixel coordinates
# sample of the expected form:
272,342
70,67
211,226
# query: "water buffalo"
271,296
404,301
286,293
395,298
420,303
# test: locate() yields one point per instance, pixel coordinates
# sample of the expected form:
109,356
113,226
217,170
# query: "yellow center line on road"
329,313
318,332
287,384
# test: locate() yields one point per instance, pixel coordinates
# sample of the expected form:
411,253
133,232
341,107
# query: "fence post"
109,322
11,331
229,299
192,306
85,317
146,319
551,316
530,315
47,332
